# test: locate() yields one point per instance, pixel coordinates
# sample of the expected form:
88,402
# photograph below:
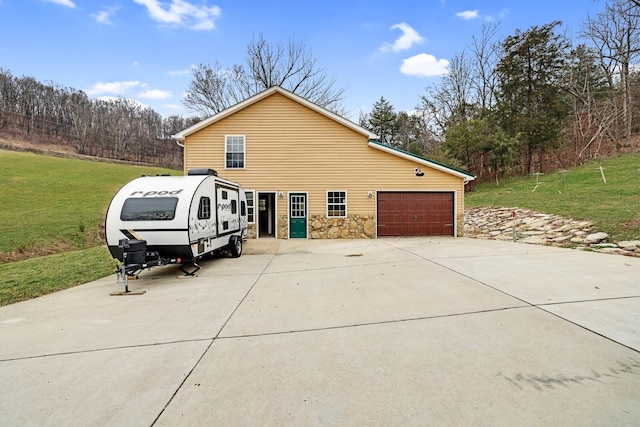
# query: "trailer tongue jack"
136,258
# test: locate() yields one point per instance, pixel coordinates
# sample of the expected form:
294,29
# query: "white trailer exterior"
181,218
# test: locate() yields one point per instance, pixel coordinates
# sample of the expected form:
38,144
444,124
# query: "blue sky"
145,49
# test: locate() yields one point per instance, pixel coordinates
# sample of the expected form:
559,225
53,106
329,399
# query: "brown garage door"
415,214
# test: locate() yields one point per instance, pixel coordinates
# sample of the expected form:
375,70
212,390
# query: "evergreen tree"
530,98
383,121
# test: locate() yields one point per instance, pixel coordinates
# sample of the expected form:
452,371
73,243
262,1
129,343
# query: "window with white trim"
234,151
250,206
336,203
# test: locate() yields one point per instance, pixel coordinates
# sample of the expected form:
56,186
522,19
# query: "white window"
250,206
234,150
336,203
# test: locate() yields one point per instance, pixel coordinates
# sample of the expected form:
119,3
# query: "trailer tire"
235,246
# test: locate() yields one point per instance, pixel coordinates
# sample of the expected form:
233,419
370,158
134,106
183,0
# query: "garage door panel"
415,213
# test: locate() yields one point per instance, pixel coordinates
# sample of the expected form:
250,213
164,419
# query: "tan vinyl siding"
290,147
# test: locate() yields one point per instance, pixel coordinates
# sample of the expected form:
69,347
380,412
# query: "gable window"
234,150
204,208
250,206
336,203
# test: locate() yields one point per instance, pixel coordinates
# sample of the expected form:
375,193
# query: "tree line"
530,102
119,128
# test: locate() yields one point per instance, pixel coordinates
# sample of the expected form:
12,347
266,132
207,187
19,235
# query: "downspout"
184,170
177,141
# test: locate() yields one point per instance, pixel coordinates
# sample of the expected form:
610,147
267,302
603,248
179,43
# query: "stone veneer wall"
352,227
252,231
460,226
322,227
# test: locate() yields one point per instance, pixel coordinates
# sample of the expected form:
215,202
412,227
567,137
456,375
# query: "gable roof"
372,138
374,143
181,136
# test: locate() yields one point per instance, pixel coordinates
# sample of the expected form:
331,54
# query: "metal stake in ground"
537,174
604,179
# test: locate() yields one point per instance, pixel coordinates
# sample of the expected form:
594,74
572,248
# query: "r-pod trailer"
160,220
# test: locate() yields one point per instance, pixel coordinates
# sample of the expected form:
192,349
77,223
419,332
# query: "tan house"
309,173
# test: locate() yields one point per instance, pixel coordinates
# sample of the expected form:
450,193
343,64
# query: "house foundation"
322,227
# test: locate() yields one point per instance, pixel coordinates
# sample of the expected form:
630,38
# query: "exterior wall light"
280,195
370,194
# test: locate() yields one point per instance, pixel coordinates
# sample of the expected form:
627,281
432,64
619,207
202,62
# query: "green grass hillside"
51,204
580,193
51,221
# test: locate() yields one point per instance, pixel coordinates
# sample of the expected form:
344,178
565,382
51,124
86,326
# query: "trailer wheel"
235,246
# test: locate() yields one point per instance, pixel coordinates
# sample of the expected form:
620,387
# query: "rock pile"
529,226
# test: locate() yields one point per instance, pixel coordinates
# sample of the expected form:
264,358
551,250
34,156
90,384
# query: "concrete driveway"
389,332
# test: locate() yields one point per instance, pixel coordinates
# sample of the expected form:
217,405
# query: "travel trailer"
160,220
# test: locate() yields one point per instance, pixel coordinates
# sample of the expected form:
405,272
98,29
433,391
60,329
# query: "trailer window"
149,209
204,208
234,207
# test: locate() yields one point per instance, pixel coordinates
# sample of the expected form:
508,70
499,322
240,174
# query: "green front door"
297,215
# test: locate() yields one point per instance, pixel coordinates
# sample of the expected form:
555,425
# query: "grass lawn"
23,280
51,204
52,219
581,193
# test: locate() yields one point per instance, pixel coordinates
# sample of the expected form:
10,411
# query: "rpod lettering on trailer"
224,206
156,193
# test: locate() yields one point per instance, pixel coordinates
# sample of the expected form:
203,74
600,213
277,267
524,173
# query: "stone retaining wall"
542,229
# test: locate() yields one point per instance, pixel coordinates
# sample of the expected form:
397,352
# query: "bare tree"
594,115
289,65
468,89
486,53
50,113
615,34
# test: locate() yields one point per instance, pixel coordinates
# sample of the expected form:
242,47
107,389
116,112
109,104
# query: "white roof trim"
381,147
181,136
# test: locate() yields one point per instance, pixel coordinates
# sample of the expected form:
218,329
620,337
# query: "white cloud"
502,15
116,88
408,38
155,94
182,13
104,16
67,3
424,65
468,14
108,98
182,72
